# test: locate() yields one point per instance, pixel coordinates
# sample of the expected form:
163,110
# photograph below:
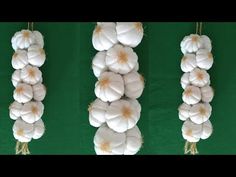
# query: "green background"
69,79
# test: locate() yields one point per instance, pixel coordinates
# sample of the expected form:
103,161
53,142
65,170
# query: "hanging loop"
31,26
199,28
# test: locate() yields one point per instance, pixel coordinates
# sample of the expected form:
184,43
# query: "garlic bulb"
129,33
39,129
134,85
199,77
200,113
19,59
23,131
32,111
31,75
15,110
204,59
109,142
135,103
207,94
99,63
22,39
206,43
191,43
133,141
38,38
39,92
121,115
104,36
185,80
15,78
36,55
191,95
207,130
23,93
188,62
109,87
191,132
121,59
184,111
97,111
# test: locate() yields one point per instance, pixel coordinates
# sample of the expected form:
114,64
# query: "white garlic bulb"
188,62
191,95
32,111
185,80
199,77
207,94
19,59
31,75
191,43
184,111
23,93
23,131
39,92
200,112
15,78
36,55
39,129
15,110
204,59
191,132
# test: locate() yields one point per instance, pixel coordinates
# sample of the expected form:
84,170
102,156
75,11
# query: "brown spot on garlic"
126,112
98,29
26,34
34,110
15,55
184,59
142,78
42,52
20,132
202,111
138,26
19,90
122,57
31,73
189,133
105,146
195,38
210,56
200,76
90,107
104,82
188,92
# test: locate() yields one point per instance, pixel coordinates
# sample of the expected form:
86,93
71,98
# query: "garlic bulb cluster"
196,110
27,109
116,110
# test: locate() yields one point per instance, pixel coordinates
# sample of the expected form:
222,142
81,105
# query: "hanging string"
196,27
22,148
190,148
199,28
31,26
